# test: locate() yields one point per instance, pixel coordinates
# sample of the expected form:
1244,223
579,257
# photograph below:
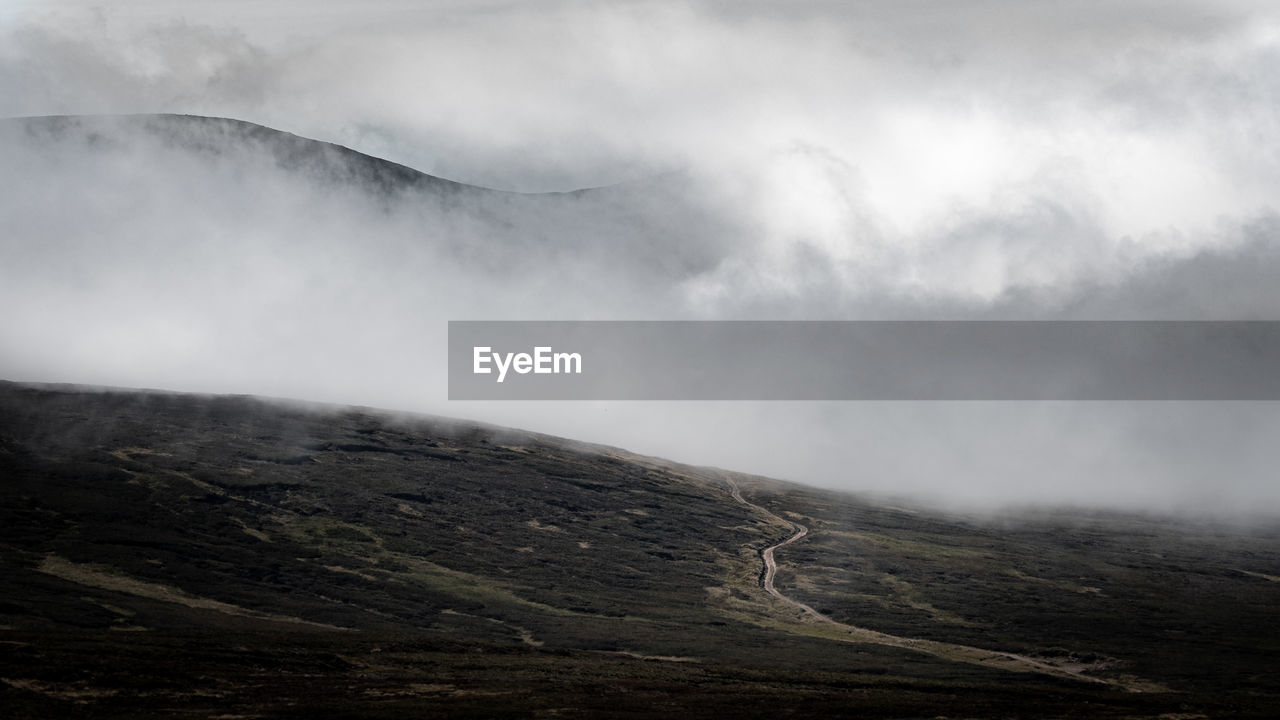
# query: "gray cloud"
867,160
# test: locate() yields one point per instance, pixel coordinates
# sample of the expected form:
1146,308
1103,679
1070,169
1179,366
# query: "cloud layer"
873,160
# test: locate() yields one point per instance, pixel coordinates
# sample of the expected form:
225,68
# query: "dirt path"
771,566
771,570
948,651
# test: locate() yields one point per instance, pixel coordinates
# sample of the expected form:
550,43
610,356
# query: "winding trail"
948,651
770,570
771,566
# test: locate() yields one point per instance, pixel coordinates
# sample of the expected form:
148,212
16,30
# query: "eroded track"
827,627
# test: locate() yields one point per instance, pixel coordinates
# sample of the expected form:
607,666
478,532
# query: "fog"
861,161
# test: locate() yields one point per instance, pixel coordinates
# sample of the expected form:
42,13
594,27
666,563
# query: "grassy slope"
170,552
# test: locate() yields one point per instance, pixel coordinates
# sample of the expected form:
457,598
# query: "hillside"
207,555
214,137
203,179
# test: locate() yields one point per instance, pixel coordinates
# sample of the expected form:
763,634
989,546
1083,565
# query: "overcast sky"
789,160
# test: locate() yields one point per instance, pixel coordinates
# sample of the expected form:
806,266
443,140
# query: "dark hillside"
168,553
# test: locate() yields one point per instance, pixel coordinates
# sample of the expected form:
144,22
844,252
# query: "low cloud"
1013,160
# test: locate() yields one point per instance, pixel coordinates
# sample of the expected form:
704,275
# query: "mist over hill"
230,201
214,255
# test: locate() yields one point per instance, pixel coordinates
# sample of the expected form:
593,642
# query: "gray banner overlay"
910,360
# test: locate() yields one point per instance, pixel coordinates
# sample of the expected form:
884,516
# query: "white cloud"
1007,159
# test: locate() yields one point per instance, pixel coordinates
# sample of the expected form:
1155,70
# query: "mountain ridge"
194,157
210,134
